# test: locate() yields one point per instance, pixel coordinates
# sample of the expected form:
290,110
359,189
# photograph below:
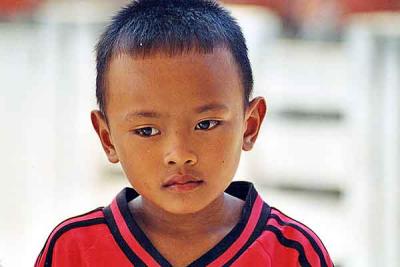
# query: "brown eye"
207,124
147,131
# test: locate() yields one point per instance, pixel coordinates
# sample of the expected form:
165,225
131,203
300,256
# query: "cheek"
225,152
138,158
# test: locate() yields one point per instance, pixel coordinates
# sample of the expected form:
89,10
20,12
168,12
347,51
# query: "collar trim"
140,250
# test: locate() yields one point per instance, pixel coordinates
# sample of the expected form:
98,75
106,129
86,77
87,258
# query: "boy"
173,87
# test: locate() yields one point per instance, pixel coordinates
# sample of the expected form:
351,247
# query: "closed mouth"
183,183
177,180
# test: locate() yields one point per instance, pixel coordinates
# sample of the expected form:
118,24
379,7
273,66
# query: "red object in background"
350,6
299,16
355,6
15,7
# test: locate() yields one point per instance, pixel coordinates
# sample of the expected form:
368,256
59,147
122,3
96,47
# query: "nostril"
172,160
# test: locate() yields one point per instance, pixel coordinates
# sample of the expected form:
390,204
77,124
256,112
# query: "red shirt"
109,236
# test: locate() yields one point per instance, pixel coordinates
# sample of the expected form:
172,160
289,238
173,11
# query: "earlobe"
254,117
247,145
101,128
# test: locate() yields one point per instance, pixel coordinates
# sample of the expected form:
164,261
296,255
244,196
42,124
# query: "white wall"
321,171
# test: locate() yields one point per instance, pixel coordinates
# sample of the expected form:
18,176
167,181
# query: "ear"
254,116
101,127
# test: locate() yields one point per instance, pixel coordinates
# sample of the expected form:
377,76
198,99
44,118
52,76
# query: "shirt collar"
141,252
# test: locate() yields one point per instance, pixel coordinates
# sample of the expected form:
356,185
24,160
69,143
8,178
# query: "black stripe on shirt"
256,233
62,230
139,235
307,235
47,240
291,244
244,191
112,225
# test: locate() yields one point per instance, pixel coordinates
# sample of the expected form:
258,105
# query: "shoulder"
283,235
64,235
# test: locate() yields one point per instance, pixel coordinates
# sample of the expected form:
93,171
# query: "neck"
223,213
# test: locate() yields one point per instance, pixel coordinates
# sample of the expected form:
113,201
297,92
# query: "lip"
182,183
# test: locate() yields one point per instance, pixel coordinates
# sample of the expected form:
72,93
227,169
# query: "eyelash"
216,123
140,132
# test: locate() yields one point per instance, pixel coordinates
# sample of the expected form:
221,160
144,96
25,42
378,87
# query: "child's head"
147,27
173,87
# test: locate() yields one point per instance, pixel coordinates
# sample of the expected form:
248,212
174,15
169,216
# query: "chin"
184,208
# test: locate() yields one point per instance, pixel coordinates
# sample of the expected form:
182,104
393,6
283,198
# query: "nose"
180,157
179,154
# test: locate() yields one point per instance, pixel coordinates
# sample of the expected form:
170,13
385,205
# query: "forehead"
173,83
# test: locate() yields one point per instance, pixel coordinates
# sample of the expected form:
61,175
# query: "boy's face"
180,115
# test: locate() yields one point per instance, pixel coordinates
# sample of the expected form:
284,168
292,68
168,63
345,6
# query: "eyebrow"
144,114
210,107
153,114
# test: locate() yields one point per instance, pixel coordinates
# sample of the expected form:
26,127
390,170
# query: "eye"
147,131
207,124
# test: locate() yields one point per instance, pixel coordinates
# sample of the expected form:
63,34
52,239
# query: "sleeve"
293,243
63,247
59,250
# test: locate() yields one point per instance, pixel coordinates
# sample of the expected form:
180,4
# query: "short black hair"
173,27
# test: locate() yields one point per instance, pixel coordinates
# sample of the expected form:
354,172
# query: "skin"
161,96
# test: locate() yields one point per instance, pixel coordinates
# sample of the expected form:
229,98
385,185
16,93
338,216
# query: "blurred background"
328,153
